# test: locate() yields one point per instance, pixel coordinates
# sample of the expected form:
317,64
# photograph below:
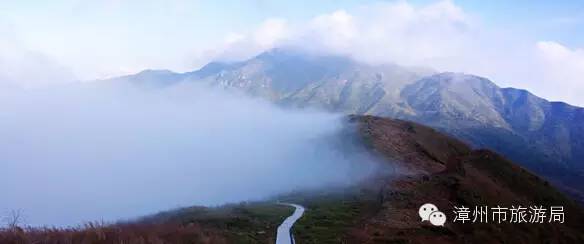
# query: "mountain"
150,78
541,135
442,170
327,82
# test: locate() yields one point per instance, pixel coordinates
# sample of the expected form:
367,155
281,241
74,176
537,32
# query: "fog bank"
92,152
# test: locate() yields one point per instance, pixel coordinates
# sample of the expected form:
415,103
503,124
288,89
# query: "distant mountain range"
546,137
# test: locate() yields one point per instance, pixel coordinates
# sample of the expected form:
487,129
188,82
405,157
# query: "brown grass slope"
233,223
442,170
139,233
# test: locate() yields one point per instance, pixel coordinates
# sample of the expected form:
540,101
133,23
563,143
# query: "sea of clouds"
107,152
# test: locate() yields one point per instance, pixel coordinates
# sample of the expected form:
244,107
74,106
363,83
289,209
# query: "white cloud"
440,35
394,32
31,69
335,31
384,32
562,70
239,46
270,32
113,152
23,67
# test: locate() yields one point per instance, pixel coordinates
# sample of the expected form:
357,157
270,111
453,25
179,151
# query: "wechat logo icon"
429,212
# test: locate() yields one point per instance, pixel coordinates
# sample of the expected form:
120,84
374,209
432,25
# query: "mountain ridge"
539,134
448,173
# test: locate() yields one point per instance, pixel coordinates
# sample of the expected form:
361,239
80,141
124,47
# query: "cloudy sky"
535,45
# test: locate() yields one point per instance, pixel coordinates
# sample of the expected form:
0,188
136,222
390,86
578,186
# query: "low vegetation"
330,215
238,223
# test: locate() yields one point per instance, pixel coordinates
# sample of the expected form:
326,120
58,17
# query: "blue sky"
551,20
544,19
91,39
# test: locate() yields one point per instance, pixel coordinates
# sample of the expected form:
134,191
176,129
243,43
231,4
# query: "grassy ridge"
239,223
329,216
236,223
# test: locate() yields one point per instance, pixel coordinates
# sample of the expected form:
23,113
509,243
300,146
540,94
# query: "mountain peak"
211,69
456,78
286,55
148,72
282,52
